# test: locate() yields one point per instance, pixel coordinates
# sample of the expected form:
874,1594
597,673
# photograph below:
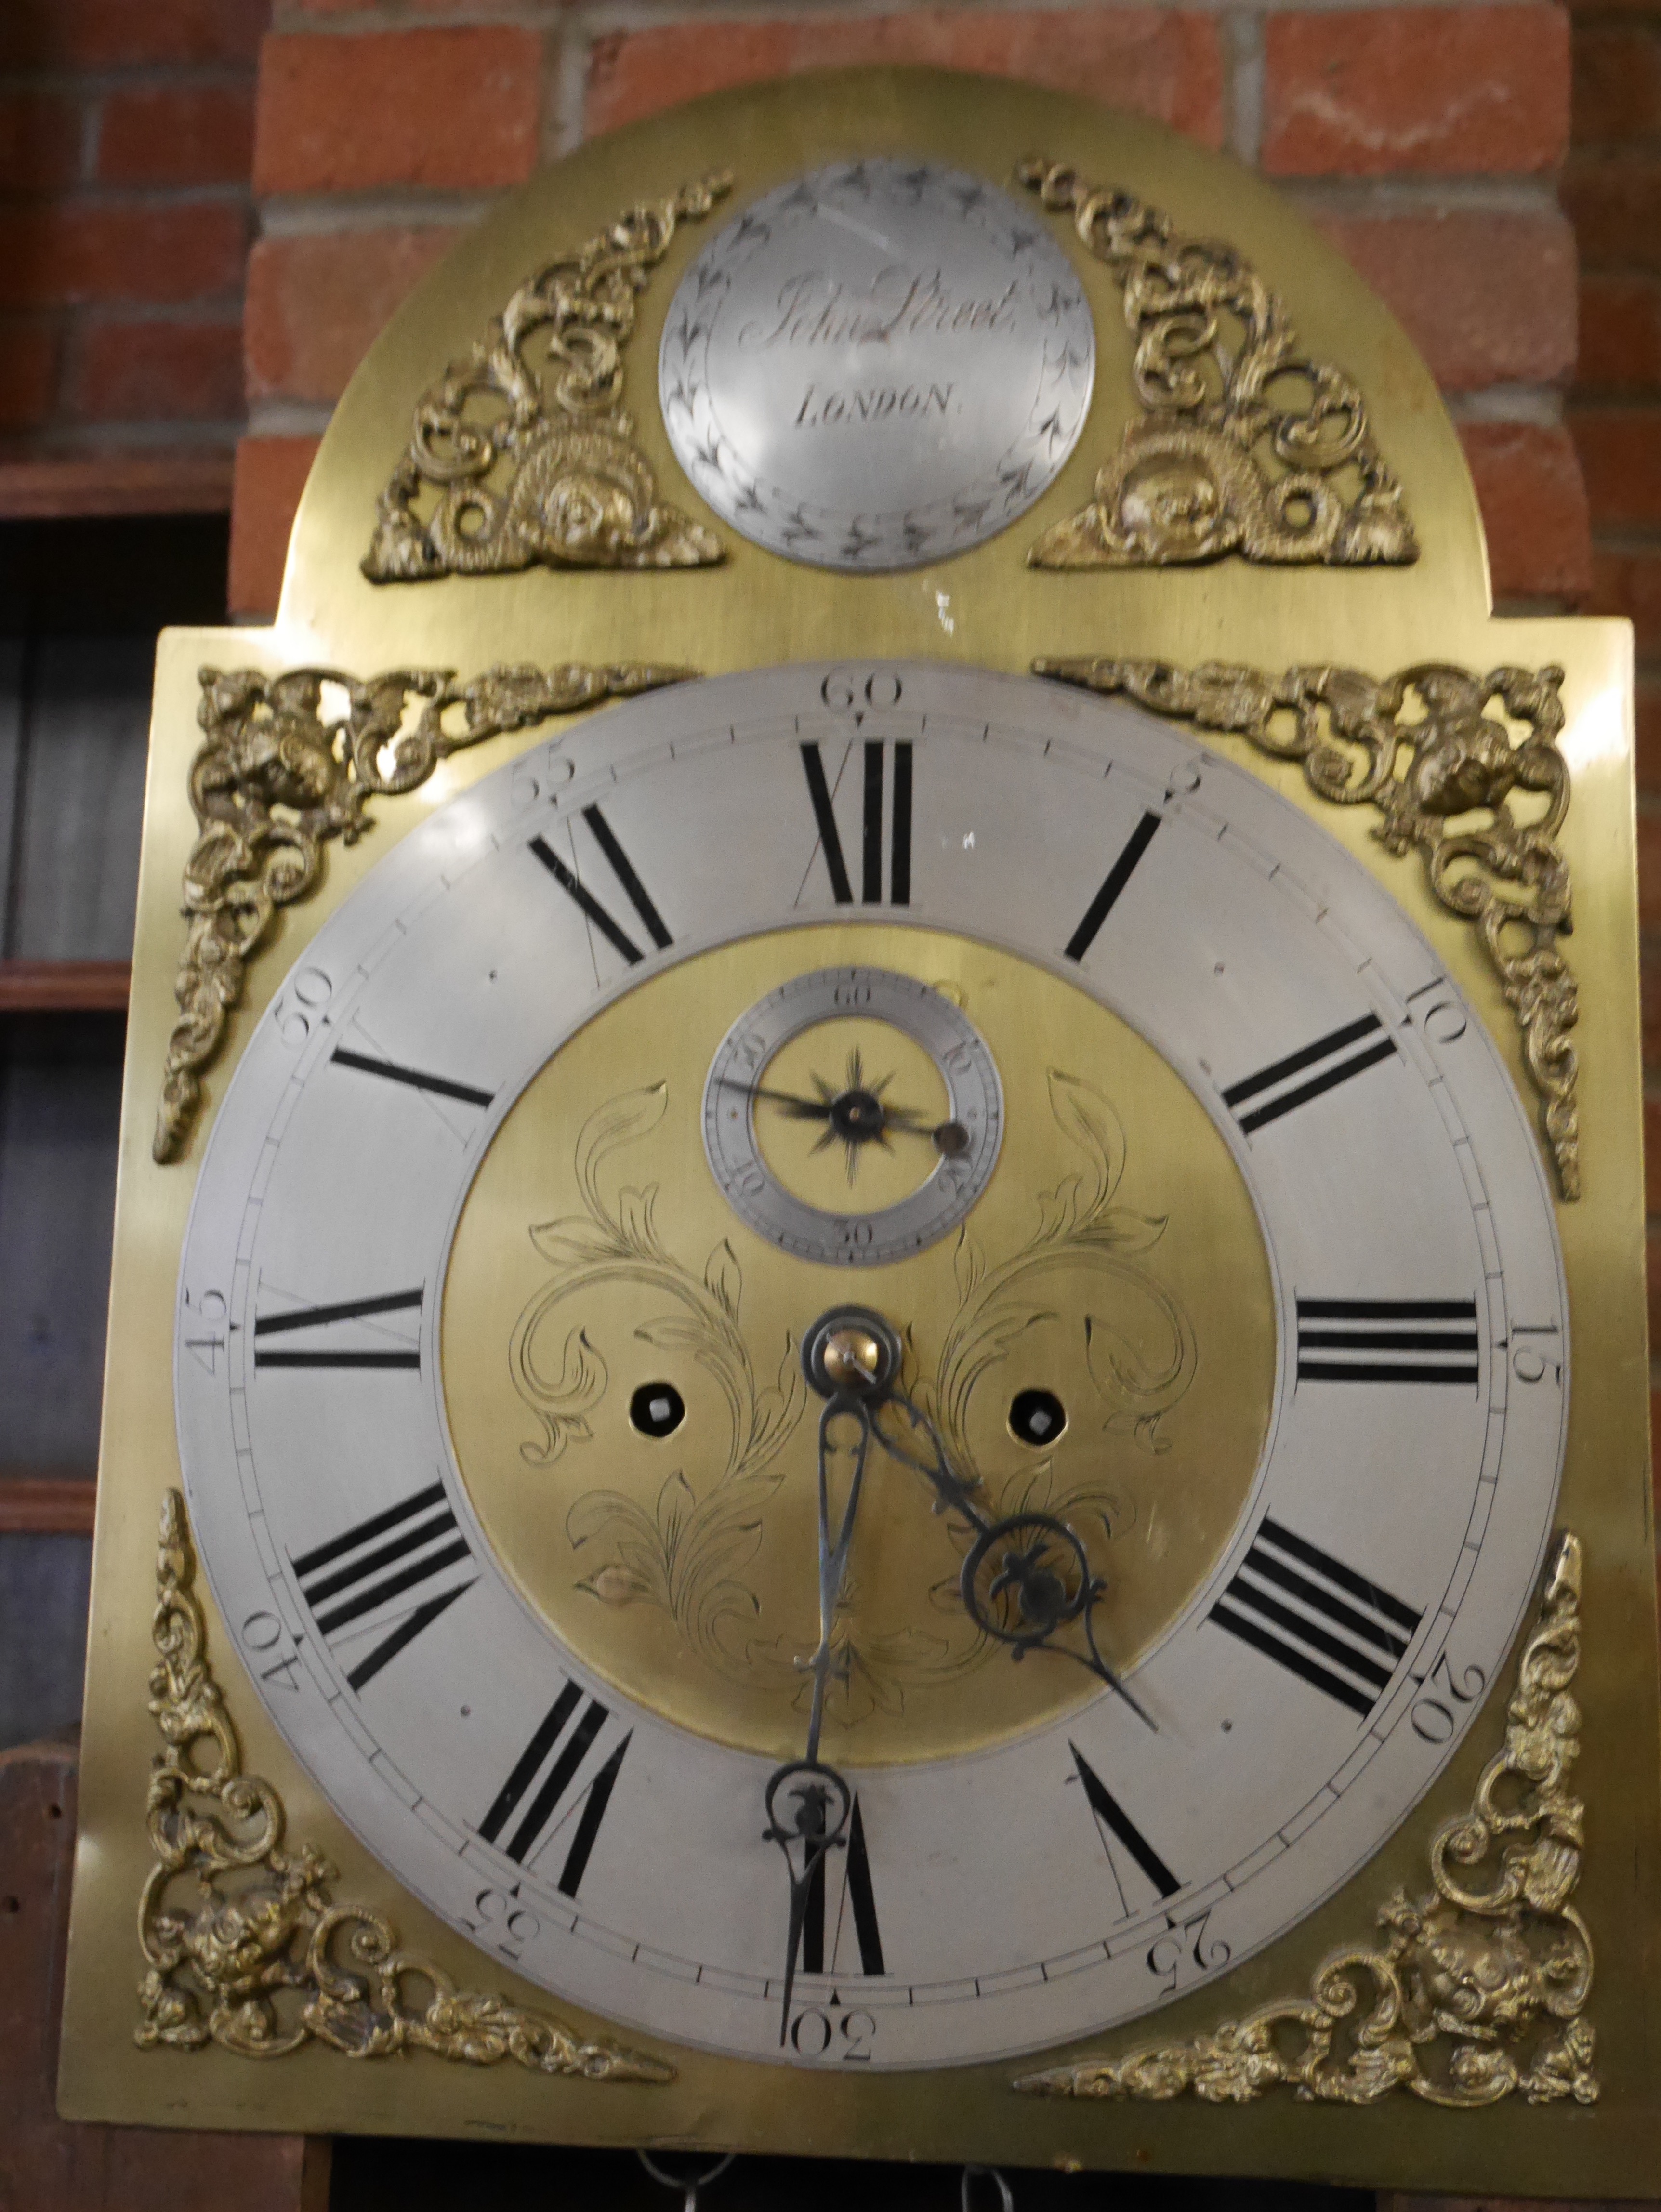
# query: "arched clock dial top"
503,1466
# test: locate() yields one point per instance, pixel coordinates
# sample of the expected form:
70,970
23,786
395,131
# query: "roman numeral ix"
1387,1340
1316,1618
1334,1060
526,1807
859,1903
623,868
397,1351
353,1584
1123,1841
899,824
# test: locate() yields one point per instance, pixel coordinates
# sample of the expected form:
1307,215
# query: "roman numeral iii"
526,1810
1332,1628
1387,1340
651,922
355,1583
875,751
1333,1059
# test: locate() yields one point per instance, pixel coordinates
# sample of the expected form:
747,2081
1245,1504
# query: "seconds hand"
947,1137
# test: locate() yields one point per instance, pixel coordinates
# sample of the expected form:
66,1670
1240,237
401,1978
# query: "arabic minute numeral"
815,2033
1169,1956
1434,1715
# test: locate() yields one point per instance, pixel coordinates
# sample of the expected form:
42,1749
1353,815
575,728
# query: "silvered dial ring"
964,1153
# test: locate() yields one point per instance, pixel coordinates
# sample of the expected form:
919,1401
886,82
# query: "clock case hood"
986,607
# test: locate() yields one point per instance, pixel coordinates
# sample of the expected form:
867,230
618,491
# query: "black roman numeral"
399,1354
526,1807
353,1582
859,1903
899,824
623,868
1387,1340
1112,884
1115,1827
1329,1056
1318,1618
440,1086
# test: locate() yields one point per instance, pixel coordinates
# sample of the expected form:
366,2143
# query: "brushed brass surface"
1146,1306
986,608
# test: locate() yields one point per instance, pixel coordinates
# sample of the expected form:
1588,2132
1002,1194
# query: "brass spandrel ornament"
1426,748
1473,1992
1225,458
289,761
511,462
246,1948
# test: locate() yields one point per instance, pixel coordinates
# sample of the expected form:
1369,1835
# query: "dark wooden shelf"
64,987
46,1504
187,480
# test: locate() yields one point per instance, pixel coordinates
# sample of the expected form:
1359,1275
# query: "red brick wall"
1612,188
1425,139
126,212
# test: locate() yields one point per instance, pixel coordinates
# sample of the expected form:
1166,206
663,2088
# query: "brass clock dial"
1254,1289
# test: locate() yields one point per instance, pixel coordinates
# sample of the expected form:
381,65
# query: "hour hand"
808,1805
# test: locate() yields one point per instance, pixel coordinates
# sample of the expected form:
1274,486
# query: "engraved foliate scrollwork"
510,463
1476,1991
289,761
689,1554
244,1947
1429,748
1246,446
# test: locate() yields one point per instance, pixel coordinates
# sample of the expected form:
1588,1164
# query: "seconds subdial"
952,1142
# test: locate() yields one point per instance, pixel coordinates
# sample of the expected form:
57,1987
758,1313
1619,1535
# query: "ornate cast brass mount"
1479,1987
253,1956
289,761
525,466
1225,460
1451,759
